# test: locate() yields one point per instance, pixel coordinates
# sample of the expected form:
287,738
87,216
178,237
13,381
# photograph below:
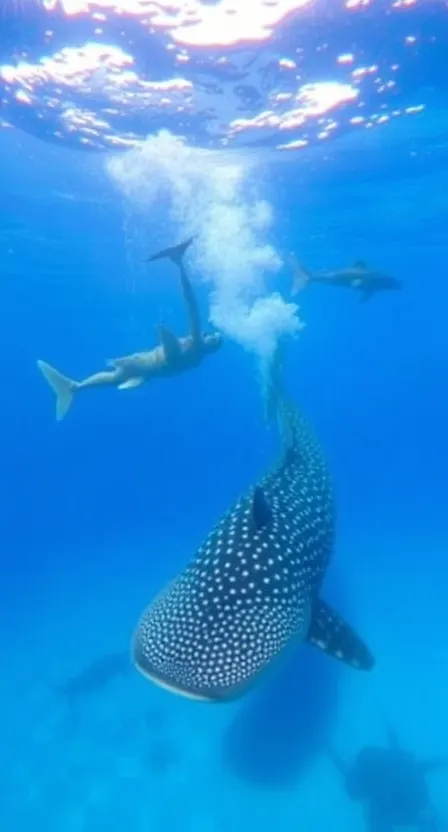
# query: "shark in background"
254,587
358,276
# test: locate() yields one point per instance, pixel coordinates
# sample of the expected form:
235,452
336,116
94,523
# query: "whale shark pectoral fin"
136,381
261,509
334,636
170,344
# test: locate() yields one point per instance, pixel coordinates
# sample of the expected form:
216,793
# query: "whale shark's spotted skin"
253,586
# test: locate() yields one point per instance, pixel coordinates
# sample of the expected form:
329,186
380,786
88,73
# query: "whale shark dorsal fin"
360,264
329,632
261,509
170,344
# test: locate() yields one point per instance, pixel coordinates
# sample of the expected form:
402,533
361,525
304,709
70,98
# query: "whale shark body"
253,588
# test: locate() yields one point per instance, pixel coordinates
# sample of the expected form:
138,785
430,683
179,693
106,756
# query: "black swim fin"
334,636
170,344
174,253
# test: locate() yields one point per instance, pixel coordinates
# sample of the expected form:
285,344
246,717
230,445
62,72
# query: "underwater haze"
302,145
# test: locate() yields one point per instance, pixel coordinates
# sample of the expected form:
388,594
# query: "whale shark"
254,587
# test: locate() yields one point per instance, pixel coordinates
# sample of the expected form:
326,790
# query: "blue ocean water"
100,510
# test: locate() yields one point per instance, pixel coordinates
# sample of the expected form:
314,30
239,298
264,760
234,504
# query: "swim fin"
174,253
62,386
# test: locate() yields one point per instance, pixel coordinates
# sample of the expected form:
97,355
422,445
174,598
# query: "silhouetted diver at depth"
172,357
391,783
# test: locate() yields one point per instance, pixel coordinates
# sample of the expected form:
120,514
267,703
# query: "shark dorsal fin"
360,264
261,509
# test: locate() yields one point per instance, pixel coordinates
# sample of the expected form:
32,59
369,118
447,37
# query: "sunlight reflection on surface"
274,73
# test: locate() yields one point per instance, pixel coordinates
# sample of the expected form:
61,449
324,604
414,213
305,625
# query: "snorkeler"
172,357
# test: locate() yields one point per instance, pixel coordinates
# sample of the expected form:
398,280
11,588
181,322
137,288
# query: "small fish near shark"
357,276
253,589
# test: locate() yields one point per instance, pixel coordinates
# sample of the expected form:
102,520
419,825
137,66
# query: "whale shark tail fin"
63,387
174,253
329,632
272,386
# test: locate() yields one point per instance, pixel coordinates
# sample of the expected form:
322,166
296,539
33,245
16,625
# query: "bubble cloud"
215,198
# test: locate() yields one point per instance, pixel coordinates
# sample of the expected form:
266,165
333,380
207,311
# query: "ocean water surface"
295,128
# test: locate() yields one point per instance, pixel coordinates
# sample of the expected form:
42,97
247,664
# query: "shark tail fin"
62,386
272,386
174,253
329,632
301,276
